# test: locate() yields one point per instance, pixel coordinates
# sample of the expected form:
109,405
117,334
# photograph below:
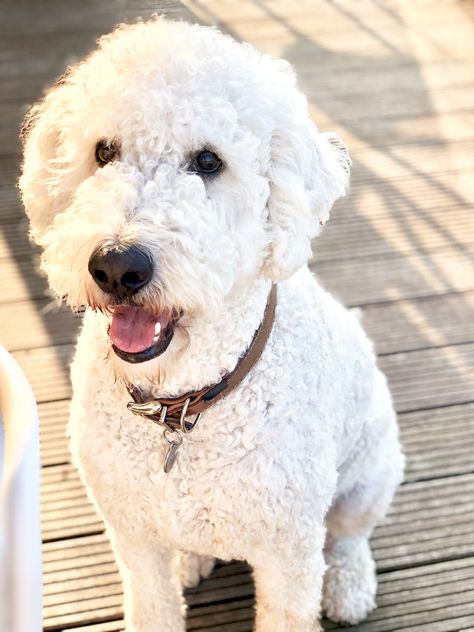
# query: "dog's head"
169,168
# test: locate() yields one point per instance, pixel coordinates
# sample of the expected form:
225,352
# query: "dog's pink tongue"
133,329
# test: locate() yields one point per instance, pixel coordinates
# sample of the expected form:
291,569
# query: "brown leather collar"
172,413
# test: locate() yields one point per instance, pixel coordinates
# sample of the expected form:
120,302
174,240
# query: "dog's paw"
350,582
193,568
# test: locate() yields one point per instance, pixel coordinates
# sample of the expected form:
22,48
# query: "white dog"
173,178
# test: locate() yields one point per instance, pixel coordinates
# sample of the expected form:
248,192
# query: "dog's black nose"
119,271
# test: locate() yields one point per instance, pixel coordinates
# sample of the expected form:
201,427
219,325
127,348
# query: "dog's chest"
209,495
238,469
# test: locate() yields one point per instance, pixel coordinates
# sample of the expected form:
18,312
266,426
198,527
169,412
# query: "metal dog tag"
174,440
170,457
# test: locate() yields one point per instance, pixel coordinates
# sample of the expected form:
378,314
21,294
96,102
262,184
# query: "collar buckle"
146,409
173,429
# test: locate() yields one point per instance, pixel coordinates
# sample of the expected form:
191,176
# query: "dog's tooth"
157,330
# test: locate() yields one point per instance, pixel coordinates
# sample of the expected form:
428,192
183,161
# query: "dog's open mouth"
138,335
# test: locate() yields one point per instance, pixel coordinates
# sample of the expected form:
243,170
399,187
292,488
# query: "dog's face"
170,168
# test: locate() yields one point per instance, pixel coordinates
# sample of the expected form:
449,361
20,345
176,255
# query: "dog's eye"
206,162
106,151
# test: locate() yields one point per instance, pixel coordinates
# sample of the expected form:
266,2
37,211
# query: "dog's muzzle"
136,334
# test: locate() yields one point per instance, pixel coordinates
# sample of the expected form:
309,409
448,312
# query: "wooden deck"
396,80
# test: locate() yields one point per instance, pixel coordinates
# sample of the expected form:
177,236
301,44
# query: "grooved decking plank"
439,514
431,616
444,431
404,325
418,379
336,52
329,18
430,377
386,132
49,324
406,227
353,232
437,442
413,324
400,277
53,440
388,237
439,74
21,281
417,275
38,22
417,500
106,626
106,609
435,425
435,170
434,174
406,103
53,383
66,510
394,131
403,596
14,239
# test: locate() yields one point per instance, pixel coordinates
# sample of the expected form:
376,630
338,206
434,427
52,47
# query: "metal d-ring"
176,439
162,420
182,420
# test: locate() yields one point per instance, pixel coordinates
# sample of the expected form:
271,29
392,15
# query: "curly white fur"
305,452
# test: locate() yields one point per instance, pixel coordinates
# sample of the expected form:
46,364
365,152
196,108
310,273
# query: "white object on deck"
20,535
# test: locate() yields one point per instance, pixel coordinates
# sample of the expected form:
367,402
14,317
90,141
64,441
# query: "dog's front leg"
288,591
153,600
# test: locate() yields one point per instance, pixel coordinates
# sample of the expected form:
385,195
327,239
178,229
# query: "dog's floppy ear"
41,168
308,171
